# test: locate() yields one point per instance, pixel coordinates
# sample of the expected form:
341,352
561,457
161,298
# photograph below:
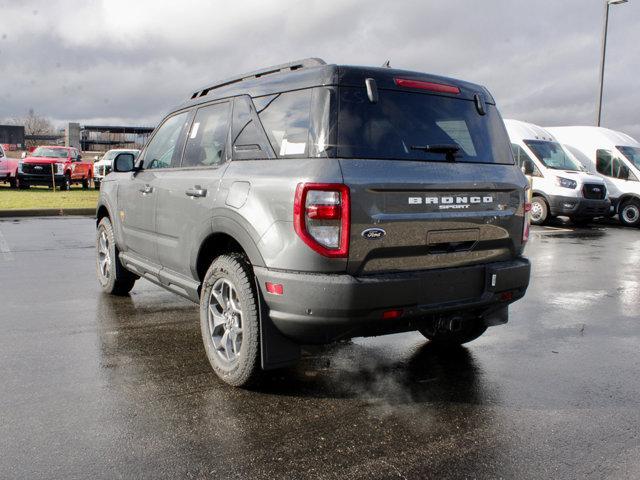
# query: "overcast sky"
128,62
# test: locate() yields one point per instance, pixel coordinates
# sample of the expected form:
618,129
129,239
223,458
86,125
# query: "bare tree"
34,124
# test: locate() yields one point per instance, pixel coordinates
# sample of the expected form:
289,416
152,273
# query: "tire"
13,182
96,185
539,211
229,320
23,186
470,329
85,183
630,213
112,276
66,186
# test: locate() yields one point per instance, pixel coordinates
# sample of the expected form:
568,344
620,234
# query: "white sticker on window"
194,130
291,148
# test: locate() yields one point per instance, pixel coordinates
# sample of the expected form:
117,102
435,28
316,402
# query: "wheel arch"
625,197
226,236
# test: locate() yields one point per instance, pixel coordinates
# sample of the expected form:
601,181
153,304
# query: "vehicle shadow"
160,344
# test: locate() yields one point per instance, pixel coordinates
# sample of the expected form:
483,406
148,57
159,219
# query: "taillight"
431,86
321,217
527,220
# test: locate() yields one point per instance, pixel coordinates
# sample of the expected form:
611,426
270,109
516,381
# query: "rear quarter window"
286,120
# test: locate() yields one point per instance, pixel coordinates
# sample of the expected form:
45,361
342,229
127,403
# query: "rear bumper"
320,308
578,207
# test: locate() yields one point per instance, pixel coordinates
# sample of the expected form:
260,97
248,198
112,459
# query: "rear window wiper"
449,149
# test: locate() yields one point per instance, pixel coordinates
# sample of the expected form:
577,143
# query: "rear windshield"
632,153
401,122
552,155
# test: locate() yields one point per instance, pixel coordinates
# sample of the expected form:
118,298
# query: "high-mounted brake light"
321,217
431,86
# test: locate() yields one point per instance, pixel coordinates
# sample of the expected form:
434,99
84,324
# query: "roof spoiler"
291,66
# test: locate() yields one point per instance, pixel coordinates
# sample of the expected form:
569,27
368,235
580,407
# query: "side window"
524,161
286,120
611,166
162,147
603,163
207,137
247,137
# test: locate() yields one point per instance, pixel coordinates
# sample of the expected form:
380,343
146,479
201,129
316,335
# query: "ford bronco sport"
307,203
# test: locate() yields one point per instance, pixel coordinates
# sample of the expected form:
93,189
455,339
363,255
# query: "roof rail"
291,66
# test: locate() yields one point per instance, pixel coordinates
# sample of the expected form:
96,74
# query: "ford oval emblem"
373,233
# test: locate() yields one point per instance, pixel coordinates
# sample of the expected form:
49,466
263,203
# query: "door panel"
187,195
136,208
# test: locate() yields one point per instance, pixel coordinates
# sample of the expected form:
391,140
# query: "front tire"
630,213
85,184
66,186
229,320
112,276
469,330
539,211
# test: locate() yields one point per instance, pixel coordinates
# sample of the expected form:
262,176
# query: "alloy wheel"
225,320
104,257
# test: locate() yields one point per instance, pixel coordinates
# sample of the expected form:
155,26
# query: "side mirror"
23,155
527,168
124,162
95,159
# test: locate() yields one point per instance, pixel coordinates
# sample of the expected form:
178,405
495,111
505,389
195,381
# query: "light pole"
607,4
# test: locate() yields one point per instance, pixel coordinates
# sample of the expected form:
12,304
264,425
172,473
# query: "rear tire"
13,182
85,184
469,330
66,186
539,211
630,213
229,320
112,276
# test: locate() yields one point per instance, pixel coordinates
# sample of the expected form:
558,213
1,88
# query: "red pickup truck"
62,165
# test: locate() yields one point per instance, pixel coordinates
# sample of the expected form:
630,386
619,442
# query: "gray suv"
307,203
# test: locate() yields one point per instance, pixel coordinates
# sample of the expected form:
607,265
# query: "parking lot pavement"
101,387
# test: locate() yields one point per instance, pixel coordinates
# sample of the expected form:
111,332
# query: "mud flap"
499,316
276,350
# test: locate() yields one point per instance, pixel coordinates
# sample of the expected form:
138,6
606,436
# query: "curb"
48,212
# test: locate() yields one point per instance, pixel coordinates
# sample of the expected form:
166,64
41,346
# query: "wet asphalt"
98,387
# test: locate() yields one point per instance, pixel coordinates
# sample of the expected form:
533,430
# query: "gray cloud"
129,62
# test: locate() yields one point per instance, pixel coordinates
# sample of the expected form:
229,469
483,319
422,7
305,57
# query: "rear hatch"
431,178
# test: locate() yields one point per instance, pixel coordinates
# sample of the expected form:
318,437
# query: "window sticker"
194,130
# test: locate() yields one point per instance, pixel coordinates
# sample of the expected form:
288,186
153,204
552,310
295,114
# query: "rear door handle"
146,189
196,192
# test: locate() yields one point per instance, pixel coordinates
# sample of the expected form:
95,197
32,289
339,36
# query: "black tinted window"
286,120
207,137
402,121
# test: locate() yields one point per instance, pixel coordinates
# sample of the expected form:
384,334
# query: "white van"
560,185
615,156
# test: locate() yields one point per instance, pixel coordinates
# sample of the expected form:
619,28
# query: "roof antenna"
387,64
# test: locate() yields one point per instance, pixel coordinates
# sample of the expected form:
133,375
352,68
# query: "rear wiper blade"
449,149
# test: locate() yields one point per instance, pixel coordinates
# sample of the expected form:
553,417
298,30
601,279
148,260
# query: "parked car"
307,203
103,166
560,185
615,156
65,162
8,169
